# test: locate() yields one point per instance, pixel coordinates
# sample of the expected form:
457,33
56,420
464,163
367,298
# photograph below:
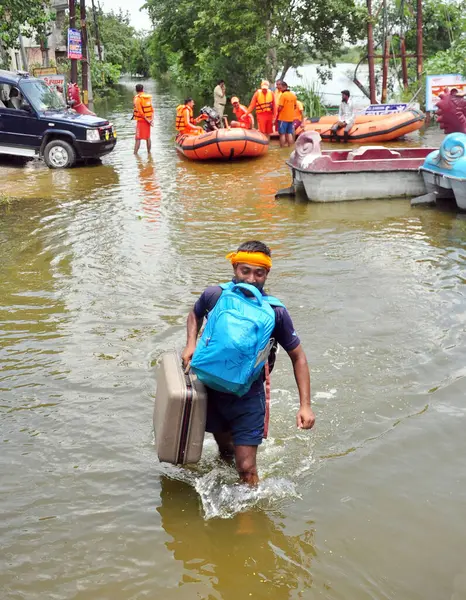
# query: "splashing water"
224,499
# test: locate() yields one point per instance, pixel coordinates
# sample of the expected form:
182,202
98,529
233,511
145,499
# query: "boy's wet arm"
193,326
302,375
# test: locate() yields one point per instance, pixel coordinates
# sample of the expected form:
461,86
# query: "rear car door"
19,127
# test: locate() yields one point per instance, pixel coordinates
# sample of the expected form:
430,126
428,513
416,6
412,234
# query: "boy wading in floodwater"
243,324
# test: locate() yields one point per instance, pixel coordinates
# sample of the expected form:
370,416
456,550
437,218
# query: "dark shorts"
243,416
285,127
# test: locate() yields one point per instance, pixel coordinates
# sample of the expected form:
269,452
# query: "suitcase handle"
187,377
187,374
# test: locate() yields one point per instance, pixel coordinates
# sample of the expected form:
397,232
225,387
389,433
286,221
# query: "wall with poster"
439,84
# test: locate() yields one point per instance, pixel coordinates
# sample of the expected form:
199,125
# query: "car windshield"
42,97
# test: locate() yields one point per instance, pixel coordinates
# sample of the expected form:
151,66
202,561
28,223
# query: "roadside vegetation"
195,42
123,49
192,43
311,97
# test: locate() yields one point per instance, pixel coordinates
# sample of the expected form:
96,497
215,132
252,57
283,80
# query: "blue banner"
385,109
75,49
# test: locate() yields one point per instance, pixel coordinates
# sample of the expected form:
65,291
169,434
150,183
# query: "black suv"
35,122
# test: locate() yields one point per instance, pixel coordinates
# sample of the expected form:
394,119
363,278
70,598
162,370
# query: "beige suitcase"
179,413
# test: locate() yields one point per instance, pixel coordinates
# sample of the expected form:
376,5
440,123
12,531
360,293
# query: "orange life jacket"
240,111
182,123
143,102
264,102
298,113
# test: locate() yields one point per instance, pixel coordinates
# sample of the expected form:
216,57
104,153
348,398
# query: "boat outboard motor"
213,120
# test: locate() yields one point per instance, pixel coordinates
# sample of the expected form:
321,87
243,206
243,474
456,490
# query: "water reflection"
249,555
79,183
150,188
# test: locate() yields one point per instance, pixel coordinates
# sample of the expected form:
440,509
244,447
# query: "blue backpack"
236,341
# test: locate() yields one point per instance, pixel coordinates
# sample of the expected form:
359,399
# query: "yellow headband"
259,259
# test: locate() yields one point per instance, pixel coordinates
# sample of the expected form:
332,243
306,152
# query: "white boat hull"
362,185
446,187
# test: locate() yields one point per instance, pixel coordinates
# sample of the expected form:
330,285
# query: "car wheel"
59,154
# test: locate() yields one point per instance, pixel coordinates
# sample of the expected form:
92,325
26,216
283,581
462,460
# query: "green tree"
116,36
28,17
448,61
139,63
442,25
198,41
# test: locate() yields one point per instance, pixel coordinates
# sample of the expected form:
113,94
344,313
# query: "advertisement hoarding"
440,84
74,44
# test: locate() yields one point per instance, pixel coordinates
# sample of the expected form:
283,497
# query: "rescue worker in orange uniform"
277,94
240,110
264,103
286,114
298,115
185,124
143,113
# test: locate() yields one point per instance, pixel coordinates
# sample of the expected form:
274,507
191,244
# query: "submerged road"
99,266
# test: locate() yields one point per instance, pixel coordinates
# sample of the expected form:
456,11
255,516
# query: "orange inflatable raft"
368,128
223,144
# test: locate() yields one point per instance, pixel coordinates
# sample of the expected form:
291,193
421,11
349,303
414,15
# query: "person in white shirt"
220,99
345,116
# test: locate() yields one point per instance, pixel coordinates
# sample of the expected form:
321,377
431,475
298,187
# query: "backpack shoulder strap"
270,299
274,302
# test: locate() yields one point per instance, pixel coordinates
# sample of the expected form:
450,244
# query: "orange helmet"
235,100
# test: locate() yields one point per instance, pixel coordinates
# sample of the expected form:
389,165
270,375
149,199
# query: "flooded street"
99,266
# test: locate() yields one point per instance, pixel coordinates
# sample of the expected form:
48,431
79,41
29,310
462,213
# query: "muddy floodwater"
99,266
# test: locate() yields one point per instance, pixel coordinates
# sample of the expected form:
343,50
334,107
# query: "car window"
4,93
11,97
42,96
15,98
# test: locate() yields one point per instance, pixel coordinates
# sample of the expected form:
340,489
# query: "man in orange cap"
240,110
238,422
264,103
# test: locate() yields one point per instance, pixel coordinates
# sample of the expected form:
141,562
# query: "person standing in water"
237,422
285,115
264,103
143,112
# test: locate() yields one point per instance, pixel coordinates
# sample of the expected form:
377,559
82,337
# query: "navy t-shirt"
283,333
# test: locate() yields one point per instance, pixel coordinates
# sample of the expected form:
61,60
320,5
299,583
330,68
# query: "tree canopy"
29,17
198,41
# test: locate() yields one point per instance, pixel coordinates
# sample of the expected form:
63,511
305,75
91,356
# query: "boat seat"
372,153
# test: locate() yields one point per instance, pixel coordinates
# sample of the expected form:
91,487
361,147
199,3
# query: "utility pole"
370,52
97,34
419,39
24,59
85,58
386,58
74,64
404,66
